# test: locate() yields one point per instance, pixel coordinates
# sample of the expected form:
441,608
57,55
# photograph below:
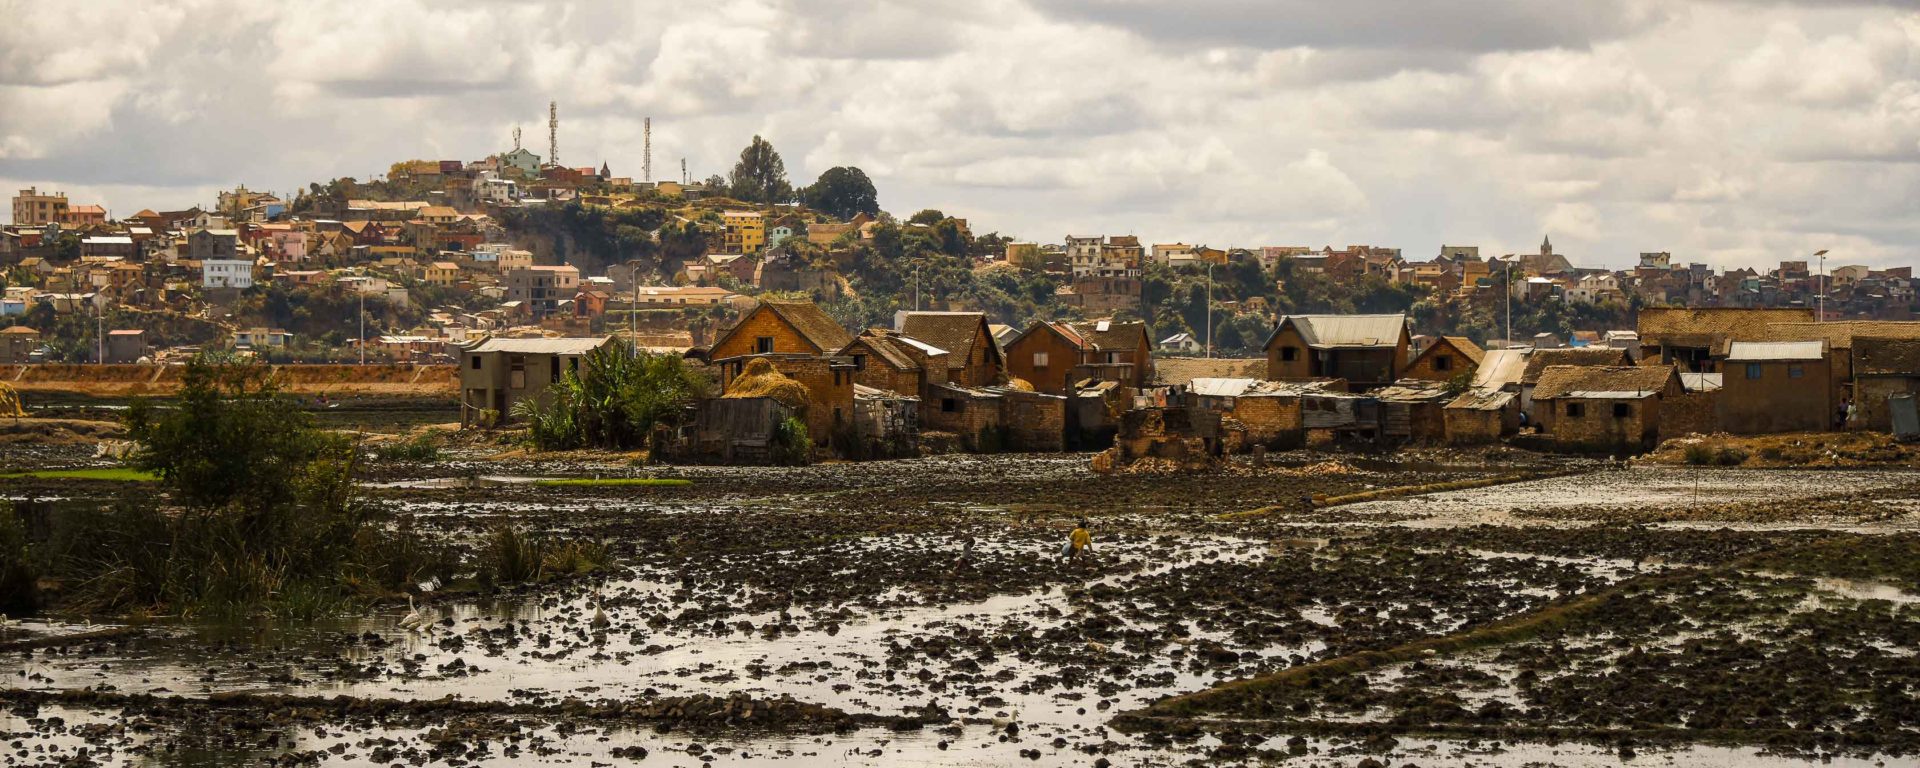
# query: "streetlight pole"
1822,253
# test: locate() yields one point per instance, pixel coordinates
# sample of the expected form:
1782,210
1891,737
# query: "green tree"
927,216
760,176
842,192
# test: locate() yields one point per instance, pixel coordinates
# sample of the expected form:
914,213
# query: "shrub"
792,445
1729,456
612,402
266,511
1699,454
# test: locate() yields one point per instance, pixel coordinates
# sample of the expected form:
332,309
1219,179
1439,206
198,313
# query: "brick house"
781,326
18,343
890,360
1053,356
1604,407
1882,367
1445,358
799,340
1481,416
1694,337
1776,387
1367,351
497,373
1538,360
974,359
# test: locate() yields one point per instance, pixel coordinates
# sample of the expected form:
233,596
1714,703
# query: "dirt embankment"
109,381
1792,449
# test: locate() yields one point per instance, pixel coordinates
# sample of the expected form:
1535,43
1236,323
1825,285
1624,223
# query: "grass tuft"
116,474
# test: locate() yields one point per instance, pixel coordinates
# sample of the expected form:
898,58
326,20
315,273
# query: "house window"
476,362
1796,371
554,375
1753,370
949,405
1622,410
1576,410
1442,363
763,345
1039,359
859,362
1289,354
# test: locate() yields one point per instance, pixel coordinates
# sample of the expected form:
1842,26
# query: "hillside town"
511,267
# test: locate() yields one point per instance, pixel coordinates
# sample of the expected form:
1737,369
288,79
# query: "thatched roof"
1565,380
955,332
1540,359
759,379
1713,327
1108,334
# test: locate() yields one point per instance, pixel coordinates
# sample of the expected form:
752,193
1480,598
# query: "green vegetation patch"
117,474
613,482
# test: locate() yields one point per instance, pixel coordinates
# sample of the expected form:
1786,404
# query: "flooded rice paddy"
921,613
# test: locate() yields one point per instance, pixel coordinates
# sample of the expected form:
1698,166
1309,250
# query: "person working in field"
1079,540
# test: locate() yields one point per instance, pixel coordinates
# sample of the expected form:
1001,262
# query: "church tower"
1546,246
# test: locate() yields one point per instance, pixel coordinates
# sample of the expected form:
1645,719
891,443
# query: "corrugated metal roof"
1501,367
1622,394
562,346
1482,400
1349,330
1759,351
1220,387
921,345
1700,382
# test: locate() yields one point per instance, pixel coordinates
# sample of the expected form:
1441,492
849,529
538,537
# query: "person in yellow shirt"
1079,540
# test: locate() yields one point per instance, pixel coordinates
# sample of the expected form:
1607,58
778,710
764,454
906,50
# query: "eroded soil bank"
920,613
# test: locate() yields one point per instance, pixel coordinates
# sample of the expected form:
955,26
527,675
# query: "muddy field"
920,613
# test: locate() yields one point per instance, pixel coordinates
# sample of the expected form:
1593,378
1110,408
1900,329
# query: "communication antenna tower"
646,150
553,132
516,138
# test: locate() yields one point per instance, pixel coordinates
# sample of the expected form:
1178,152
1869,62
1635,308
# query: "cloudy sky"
1734,132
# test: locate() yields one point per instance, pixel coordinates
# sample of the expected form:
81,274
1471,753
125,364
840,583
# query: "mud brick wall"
1466,426
1693,412
1271,421
830,393
1034,422
1871,393
1777,401
970,415
1598,429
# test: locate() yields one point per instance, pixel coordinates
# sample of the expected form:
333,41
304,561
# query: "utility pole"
100,336
363,323
916,288
1209,309
1509,271
1822,253
633,329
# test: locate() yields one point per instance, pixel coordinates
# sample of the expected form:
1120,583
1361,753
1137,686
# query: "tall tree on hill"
760,176
842,192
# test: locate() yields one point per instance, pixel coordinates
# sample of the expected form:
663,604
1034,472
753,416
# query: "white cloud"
1723,131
